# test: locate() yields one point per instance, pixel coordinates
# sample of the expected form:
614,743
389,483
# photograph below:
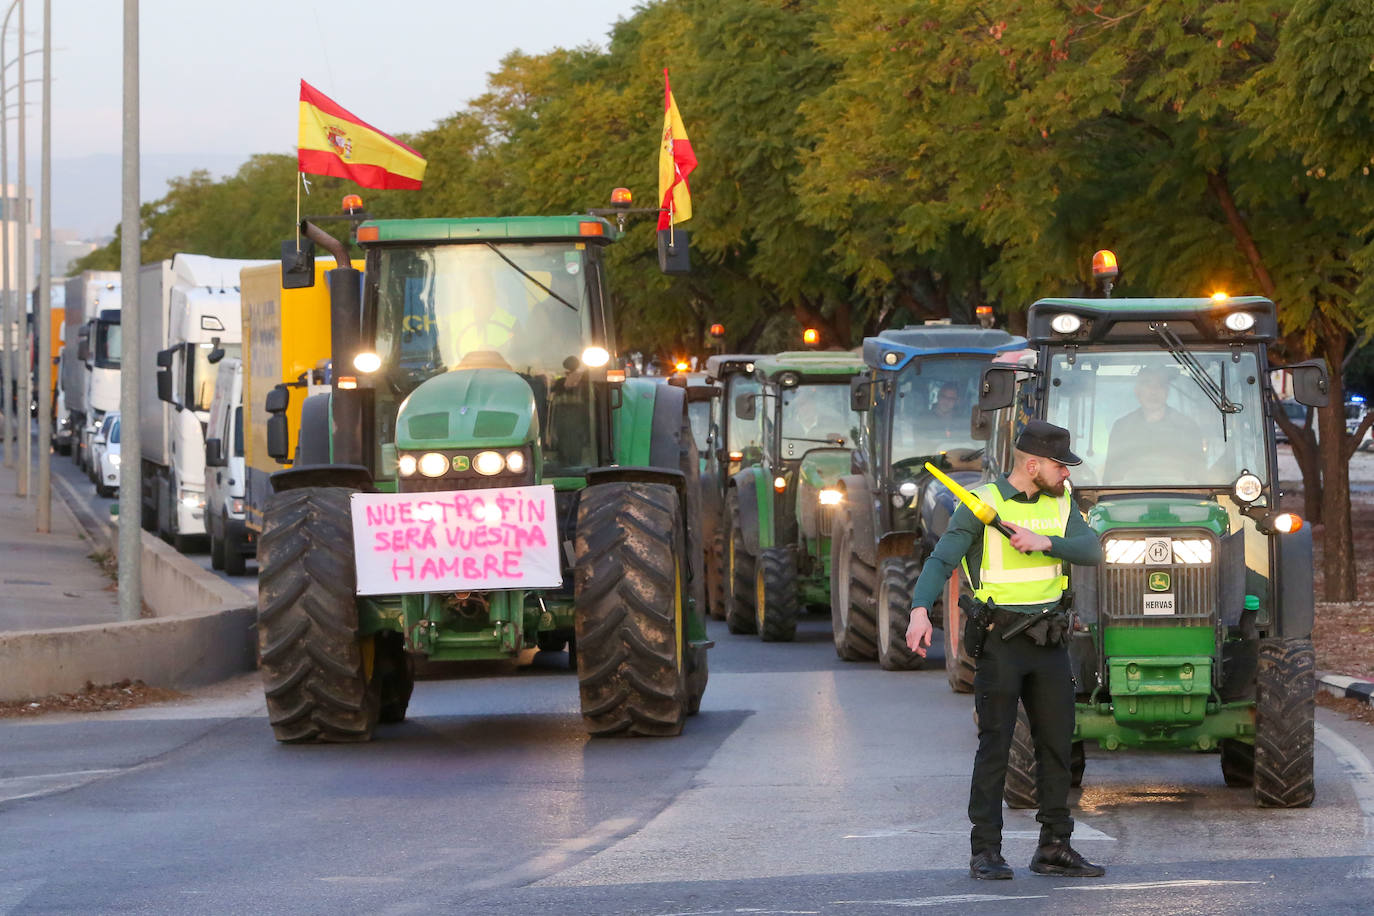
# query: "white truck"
89,363
231,541
189,309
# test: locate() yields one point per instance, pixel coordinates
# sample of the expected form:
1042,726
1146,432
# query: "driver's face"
1152,392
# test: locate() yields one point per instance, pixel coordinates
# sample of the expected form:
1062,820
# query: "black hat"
1045,440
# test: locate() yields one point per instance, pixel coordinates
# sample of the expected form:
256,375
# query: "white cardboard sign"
456,540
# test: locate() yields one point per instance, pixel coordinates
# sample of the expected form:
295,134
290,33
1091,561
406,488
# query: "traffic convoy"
432,451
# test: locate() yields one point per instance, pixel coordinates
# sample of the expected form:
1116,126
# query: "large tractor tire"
739,574
715,580
1237,763
631,600
897,578
217,548
853,584
395,675
960,667
316,670
775,595
1019,790
1285,713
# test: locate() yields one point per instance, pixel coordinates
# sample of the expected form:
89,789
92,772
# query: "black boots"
1060,859
989,866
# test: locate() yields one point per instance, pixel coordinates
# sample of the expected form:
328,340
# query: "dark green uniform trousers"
1041,678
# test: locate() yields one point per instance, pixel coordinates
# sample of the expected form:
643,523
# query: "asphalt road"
806,785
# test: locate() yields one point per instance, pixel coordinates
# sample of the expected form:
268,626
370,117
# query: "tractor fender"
648,424
314,438
747,484
323,475
858,499
1296,598
671,476
669,424
897,544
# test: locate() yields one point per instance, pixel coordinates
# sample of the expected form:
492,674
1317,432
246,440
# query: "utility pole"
11,309
43,320
130,372
22,427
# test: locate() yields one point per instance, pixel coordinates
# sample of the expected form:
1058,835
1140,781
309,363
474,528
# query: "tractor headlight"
433,464
829,497
1248,488
367,362
891,357
1240,321
405,465
515,462
1065,323
595,357
488,464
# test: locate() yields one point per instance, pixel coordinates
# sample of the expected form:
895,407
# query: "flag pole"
297,230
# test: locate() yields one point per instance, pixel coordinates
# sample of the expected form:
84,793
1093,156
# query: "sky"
219,80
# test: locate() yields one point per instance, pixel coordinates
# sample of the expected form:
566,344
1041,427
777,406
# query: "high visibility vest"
1008,576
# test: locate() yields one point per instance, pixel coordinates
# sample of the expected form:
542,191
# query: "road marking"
1081,831
942,901
1154,885
17,787
1361,776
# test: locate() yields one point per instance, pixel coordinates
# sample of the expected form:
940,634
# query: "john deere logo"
1159,582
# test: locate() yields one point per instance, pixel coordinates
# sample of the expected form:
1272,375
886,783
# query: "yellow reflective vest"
1005,574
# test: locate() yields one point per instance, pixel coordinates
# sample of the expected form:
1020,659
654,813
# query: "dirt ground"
91,698
1344,632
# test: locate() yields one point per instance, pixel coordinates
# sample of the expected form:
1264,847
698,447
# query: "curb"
203,629
1351,688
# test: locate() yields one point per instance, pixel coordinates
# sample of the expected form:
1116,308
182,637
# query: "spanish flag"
675,162
334,141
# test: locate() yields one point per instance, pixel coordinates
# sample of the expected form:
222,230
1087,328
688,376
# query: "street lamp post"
130,372
43,320
22,428
11,367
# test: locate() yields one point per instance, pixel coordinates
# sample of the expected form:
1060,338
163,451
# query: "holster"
1052,629
977,623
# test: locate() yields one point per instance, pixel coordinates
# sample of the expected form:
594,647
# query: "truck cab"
231,543
103,342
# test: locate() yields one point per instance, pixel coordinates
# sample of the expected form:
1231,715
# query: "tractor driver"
944,420
1014,578
1154,443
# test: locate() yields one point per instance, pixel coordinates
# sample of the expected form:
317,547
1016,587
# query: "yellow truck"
286,347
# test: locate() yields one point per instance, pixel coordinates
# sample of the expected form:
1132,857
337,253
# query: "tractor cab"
1196,629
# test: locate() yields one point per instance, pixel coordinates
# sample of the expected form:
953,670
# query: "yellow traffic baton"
981,510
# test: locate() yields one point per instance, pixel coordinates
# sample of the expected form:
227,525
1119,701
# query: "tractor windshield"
816,416
517,306
932,415
1137,420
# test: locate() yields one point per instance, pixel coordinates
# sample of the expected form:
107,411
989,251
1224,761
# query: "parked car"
1355,410
99,438
1297,413
106,458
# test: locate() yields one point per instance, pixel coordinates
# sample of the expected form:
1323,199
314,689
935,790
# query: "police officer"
1019,576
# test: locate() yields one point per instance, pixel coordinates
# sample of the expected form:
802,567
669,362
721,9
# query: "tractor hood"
823,467
468,408
1164,510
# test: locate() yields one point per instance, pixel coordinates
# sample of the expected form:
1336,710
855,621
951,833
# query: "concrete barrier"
202,630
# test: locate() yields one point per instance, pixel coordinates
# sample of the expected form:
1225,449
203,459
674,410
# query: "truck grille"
421,484
1189,580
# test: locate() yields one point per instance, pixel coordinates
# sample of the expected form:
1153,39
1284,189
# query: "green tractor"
1195,632
779,511
732,445
921,389
480,479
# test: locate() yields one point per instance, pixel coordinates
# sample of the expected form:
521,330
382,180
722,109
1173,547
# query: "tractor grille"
420,484
1185,587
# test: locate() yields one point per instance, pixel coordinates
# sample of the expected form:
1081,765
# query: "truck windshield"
816,416
933,411
442,308
113,437
107,345
1137,421
200,373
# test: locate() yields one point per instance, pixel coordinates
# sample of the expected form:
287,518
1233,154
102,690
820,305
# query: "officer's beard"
1051,489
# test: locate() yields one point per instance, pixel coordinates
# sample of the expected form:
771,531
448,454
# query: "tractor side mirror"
702,393
214,453
276,402
1311,385
216,352
297,264
673,257
277,399
997,389
860,393
744,406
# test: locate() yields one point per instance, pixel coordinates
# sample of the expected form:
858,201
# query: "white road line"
557,857
16,787
1361,775
942,901
1154,885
